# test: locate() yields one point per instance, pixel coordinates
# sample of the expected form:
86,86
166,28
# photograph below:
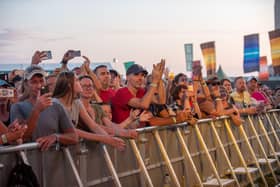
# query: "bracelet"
4,138
153,85
57,145
218,99
203,83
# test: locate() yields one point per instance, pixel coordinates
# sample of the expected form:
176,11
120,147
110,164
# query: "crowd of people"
97,105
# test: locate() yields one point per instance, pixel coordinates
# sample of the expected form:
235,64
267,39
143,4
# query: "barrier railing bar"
166,159
231,136
262,149
22,147
72,164
111,166
241,130
224,152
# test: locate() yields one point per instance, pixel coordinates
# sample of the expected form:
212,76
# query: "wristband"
4,138
218,99
153,85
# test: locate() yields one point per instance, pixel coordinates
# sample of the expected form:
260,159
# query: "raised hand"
158,71
37,57
67,56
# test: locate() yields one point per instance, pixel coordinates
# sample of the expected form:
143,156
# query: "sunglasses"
214,84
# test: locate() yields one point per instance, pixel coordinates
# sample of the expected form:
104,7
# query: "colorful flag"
189,56
263,74
274,37
128,64
251,53
209,56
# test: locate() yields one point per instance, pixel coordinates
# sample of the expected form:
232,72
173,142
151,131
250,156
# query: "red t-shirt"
120,107
107,95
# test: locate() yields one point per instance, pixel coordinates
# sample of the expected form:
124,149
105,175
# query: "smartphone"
44,90
6,92
75,53
48,55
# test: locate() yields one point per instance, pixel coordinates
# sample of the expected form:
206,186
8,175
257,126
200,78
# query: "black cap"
135,69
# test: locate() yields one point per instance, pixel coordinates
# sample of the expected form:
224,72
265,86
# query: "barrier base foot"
214,182
241,170
262,161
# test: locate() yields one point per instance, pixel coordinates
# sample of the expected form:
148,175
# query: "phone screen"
44,90
6,92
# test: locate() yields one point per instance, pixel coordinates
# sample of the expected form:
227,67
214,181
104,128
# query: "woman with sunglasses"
66,91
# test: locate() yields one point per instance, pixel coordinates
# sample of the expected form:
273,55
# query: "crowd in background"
97,105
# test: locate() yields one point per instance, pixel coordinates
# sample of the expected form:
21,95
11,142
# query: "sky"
132,30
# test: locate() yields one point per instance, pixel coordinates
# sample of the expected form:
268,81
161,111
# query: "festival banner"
263,73
251,53
209,56
274,37
128,64
189,56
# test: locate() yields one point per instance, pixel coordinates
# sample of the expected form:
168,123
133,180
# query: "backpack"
22,175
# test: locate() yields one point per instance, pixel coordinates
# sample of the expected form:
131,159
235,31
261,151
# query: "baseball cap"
252,78
135,69
32,70
4,83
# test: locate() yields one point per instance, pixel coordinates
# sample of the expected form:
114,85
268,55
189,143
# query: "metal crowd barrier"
211,153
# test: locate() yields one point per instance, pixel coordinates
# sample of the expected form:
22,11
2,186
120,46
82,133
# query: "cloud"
10,37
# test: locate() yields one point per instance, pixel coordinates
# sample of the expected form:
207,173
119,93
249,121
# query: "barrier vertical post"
238,151
111,166
273,130
275,118
262,149
202,142
166,159
224,152
187,155
268,140
241,130
141,162
72,164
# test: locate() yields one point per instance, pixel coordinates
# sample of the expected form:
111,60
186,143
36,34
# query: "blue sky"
143,31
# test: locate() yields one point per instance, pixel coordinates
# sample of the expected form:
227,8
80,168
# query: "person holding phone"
47,122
